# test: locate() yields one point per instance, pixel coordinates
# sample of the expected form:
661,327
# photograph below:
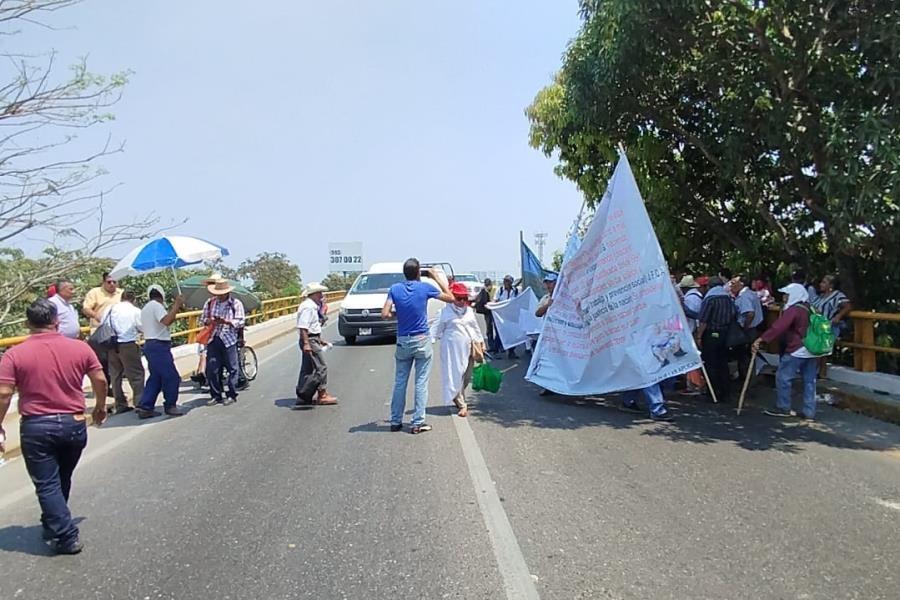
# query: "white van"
361,308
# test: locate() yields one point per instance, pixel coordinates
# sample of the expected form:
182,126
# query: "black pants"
491,333
715,357
742,354
313,370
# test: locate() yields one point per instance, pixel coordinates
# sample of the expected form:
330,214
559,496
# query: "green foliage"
338,282
557,260
761,134
272,274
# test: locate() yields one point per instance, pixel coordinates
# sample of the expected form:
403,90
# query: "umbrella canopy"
195,293
167,252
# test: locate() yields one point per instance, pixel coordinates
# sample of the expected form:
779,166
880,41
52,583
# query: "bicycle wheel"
248,363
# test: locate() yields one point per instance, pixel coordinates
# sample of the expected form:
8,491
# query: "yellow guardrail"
865,350
270,309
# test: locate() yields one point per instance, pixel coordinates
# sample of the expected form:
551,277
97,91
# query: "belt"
53,417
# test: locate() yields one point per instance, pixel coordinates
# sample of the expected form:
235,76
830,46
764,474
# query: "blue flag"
533,272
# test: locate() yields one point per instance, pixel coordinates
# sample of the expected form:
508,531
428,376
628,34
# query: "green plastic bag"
819,338
487,378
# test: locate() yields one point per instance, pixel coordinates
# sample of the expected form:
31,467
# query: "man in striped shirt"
716,314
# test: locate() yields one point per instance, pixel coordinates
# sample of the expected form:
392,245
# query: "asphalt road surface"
529,497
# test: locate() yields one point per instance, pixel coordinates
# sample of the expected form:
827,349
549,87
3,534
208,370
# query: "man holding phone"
48,369
409,299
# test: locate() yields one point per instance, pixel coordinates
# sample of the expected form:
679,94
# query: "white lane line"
517,581
95,452
888,503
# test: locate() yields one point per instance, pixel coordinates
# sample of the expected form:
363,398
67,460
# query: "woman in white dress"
461,344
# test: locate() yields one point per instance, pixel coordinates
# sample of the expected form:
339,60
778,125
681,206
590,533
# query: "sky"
283,126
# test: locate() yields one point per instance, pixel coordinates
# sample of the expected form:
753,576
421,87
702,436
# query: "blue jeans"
788,369
217,358
410,349
51,447
654,397
163,375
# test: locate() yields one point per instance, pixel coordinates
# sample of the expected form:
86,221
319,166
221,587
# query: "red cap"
459,289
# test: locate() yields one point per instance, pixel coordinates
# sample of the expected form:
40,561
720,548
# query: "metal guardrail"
270,309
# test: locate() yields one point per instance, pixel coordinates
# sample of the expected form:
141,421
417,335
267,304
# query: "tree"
556,265
756,129
49,187
272,274
338,281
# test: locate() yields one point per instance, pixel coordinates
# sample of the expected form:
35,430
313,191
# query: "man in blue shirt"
410,301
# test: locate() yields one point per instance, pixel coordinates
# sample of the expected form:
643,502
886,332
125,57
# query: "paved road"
258,501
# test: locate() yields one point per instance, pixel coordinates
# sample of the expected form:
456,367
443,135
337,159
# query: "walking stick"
750,368
708,382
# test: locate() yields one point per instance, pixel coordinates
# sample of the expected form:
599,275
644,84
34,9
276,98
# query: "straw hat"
314,288
214,278
220,288
688,282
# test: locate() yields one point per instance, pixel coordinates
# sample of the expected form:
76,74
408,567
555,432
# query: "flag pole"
750,368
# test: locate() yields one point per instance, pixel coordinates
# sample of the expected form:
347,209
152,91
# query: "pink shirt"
48,370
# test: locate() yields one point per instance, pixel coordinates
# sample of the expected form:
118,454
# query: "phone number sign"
345,257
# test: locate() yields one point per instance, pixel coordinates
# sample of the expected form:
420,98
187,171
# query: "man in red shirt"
47,370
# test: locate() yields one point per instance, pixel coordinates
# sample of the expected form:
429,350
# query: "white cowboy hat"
220,288
314,288
688,282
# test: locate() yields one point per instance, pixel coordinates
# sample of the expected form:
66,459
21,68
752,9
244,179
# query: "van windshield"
376,283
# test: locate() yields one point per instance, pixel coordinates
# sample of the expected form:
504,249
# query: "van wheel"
350,339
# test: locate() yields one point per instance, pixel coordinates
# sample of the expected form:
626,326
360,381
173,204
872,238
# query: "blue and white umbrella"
167,252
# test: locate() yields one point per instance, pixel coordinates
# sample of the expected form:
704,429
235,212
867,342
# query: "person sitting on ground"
461,342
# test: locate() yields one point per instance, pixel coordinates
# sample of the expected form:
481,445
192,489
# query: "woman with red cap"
461,344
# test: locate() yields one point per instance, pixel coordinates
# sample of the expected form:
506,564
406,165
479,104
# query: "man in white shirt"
68,316
155,321
125,359
750,316
313,370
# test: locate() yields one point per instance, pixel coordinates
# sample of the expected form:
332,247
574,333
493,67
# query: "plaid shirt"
230,310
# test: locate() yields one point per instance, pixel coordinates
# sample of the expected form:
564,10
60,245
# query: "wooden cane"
750,368
709,385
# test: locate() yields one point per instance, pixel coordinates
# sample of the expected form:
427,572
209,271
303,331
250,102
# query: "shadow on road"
290,403
26,540
518,405
375,340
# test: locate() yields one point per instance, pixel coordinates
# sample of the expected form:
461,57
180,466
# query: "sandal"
420,428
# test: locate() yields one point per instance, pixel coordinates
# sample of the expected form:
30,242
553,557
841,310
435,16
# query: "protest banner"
616,322
514,319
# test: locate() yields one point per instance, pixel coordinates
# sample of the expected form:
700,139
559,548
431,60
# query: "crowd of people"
725,312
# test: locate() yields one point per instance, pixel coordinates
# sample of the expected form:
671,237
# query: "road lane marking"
888,503
517,580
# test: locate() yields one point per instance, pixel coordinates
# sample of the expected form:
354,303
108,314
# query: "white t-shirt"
125,318
308,317
151,315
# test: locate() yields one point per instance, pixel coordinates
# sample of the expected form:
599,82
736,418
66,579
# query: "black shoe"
46,534
666,417
143,413
70,548
633,409
123,409
416,429
395,427
777,412
174,411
